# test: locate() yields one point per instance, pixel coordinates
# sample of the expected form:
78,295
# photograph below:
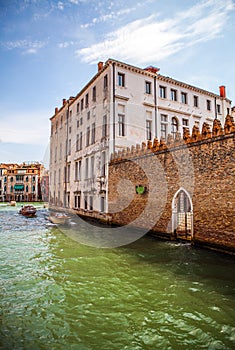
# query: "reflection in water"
58,294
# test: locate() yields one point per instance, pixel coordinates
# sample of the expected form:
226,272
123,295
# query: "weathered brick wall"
203,164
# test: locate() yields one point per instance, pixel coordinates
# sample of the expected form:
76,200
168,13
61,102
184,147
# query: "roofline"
110,61
169,79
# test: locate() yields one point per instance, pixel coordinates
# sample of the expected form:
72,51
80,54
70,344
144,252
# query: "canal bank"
57,293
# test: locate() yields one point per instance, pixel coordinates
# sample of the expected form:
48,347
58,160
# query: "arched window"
33,188
27,178
174,126
27,188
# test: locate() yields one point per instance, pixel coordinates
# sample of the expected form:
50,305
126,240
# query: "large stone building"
182,188
119,106
20,182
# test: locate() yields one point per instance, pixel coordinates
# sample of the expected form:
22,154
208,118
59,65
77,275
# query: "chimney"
222,91
100,66
64,101
56,110
152,69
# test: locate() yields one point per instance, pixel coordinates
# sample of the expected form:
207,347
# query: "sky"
50,49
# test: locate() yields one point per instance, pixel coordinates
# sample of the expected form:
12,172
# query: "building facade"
181,189
20,182
120,106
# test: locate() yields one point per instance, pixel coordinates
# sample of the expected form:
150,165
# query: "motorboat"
58,218
28,210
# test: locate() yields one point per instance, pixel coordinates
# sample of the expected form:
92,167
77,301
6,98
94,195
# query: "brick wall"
201,164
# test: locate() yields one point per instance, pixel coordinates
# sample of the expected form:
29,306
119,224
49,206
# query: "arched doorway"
182,215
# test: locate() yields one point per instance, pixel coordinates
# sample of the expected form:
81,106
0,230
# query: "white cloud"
65,44
28,46
60,5
149,39
111,15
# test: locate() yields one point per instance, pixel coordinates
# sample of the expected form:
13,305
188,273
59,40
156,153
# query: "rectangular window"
86,168
195,101
94,94
82,104
208,105
91,203
77,123
218,109
105,82
184,97
65,174
87,100
164,125
93,134
76,171
149,129
94,112
77,142
162,91
121,125
69,148
185,122
228,110
81,121
77,107
148,87
78,201
87,136
121,79
173,95
85,202
104,126
68,173
102,204
79,170
88,115
92,167
55,154
80,141
103,160
59,177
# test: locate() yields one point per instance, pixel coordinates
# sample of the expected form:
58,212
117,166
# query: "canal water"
56,293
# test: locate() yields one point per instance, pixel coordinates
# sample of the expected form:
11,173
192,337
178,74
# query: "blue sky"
50,49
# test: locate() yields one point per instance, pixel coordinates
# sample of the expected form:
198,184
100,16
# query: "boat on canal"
28,210
58,218
12,203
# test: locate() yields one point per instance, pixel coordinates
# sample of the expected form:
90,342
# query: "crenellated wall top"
196,136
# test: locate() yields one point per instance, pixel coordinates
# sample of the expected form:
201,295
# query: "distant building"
120,106
45,185
20,182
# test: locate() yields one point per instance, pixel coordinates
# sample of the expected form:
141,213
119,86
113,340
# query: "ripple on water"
58,294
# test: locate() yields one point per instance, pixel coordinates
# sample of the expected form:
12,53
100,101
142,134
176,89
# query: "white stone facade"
122,105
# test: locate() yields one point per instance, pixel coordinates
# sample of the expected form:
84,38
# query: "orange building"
20,182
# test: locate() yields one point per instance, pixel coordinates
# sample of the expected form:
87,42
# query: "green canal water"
56,293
